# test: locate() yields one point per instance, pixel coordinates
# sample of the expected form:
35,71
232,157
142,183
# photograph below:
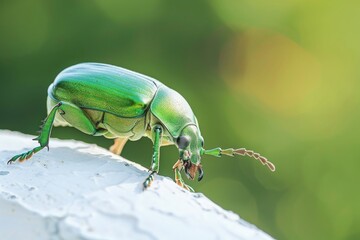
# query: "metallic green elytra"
105,100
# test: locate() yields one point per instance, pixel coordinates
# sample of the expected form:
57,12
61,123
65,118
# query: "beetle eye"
202,142
183,142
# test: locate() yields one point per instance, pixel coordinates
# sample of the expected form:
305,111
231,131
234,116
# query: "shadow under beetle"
105,100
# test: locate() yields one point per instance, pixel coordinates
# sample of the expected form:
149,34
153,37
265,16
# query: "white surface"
81,191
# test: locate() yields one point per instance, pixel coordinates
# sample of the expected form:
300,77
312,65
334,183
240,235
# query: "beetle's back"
172,110
105,88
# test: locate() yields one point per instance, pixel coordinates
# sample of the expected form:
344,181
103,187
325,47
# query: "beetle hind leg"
79,119
70,113
43,138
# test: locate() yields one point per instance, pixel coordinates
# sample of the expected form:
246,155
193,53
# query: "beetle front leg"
155,161
178,179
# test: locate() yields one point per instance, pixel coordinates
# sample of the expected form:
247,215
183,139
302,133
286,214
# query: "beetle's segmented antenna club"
243,152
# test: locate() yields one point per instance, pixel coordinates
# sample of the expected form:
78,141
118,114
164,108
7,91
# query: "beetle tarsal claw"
185,186
149,180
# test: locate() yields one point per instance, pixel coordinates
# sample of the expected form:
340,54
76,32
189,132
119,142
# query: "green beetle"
106,100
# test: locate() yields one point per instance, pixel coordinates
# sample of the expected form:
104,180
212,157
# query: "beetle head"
190,144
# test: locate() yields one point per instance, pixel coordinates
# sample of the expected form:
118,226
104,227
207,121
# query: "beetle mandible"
105,100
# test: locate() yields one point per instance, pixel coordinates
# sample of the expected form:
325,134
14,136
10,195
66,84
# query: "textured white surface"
81,191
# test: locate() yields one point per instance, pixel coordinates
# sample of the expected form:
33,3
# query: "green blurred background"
279,77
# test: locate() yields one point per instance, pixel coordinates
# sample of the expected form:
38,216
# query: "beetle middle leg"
155,161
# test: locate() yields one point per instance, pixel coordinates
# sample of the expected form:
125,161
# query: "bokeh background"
280,77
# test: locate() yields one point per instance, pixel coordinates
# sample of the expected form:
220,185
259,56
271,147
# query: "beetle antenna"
218,152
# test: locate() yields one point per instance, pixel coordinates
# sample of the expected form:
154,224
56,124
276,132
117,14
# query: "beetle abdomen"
105,88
